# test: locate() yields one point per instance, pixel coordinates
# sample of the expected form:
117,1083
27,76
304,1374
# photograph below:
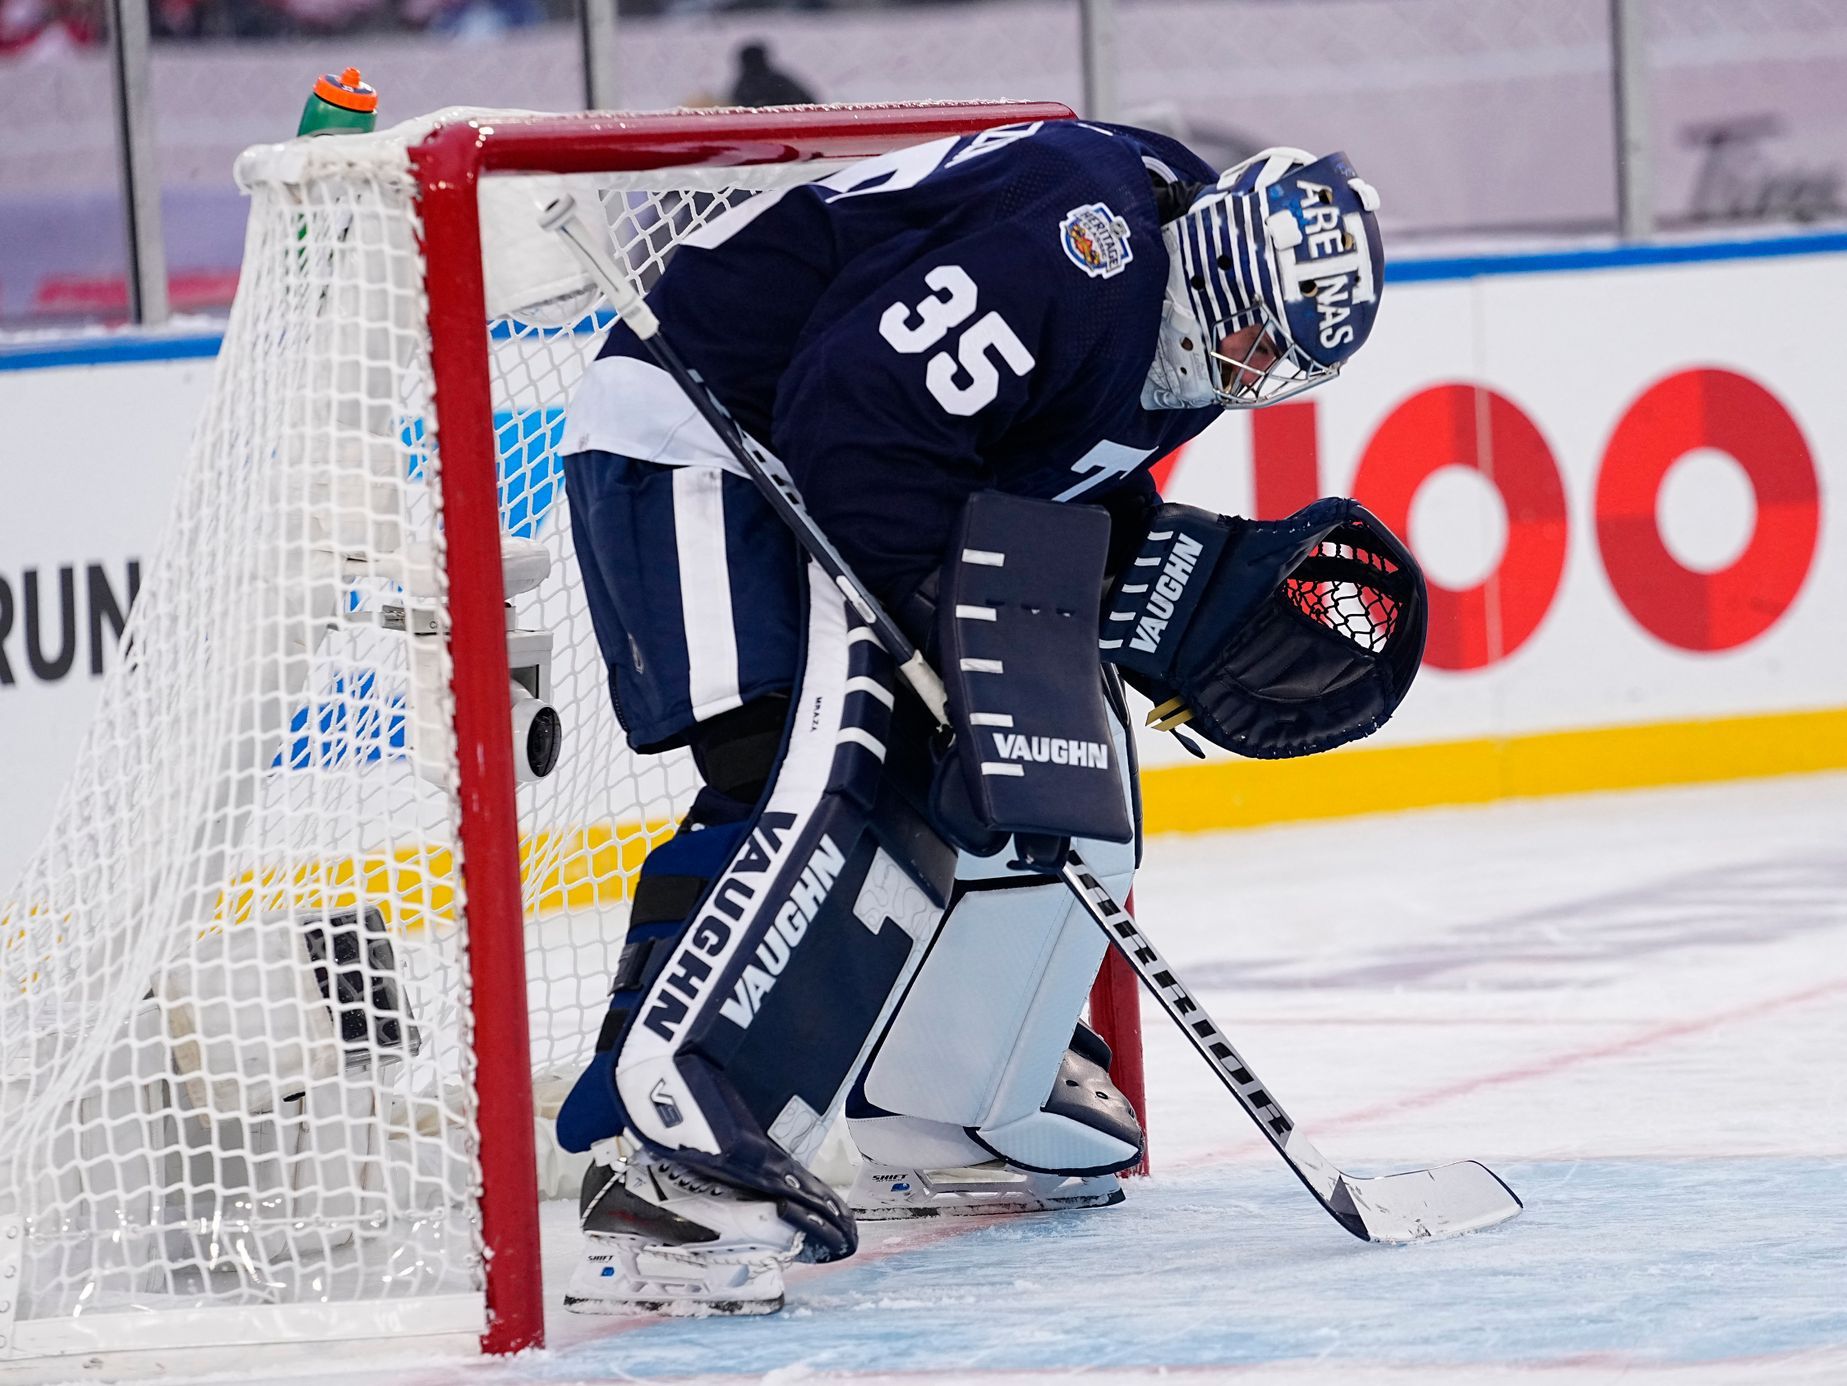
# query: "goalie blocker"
1015,630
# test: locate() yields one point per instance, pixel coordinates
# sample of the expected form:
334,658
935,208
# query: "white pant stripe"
705,590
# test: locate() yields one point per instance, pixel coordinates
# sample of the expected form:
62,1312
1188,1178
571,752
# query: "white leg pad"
1041,1140
909,1140
1037,1140
978,1040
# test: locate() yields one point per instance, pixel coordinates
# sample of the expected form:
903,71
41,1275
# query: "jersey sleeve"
1129,505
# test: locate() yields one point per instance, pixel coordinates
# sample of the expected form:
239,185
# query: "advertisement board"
94,442
1617,467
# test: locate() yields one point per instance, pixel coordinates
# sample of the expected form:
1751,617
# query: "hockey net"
307,929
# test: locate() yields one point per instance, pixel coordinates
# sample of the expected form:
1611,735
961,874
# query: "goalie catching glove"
1269,638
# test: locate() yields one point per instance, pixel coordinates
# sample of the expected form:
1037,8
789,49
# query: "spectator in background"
45,29
759,83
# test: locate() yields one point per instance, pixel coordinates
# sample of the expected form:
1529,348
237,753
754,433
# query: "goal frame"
449,164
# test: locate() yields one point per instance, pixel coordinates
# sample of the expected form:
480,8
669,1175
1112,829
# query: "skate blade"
670,1308
627,1281
976,1206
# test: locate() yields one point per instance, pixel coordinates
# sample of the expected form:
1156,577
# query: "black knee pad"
736,752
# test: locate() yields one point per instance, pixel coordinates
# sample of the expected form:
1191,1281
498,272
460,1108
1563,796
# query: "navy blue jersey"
978,312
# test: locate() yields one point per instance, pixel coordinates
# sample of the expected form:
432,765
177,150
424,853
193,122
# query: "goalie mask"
1290,244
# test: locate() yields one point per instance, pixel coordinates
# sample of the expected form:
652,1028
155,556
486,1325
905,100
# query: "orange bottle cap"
347,91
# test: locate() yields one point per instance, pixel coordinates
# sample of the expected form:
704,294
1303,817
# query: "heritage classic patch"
1096,239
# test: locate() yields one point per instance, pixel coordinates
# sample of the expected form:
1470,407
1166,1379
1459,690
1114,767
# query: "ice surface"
1633,1007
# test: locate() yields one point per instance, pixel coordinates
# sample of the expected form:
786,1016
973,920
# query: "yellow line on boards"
595,865
413,884
1234,793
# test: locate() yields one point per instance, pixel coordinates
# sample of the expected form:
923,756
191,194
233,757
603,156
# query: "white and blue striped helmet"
1290,242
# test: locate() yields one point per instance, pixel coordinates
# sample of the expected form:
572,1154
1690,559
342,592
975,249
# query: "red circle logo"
1734,414
1472,426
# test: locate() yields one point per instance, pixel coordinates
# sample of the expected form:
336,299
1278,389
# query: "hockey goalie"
967,354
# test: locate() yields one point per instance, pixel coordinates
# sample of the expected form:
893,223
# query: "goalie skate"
659,1238
884,1192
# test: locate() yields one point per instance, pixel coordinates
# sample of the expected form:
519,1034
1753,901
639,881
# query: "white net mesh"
235,1042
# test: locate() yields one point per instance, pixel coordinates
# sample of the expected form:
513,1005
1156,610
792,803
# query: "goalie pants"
828,888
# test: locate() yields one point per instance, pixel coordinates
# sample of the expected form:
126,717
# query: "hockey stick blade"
1422,1204
1417,1205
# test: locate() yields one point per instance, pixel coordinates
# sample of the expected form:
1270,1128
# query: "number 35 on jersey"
963,377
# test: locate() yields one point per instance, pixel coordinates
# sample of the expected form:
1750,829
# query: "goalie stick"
1418,1204
1440,1202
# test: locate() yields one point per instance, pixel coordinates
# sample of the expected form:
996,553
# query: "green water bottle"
340,104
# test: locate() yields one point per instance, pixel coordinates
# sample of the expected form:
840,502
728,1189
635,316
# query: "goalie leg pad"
672,880
973,1063
748,1024
1085,1127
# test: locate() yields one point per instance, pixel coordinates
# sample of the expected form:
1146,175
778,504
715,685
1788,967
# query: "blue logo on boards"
531,465
352,717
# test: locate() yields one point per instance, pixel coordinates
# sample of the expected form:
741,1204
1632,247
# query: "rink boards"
1615,465
1617,469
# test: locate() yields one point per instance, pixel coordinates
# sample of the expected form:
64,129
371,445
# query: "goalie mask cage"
308,929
